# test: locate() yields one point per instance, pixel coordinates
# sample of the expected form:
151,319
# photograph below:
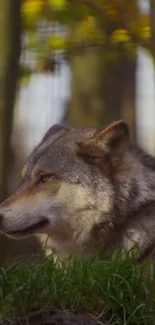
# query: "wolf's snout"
20,221
1,217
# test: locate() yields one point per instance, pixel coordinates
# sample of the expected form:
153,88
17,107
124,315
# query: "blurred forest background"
80,62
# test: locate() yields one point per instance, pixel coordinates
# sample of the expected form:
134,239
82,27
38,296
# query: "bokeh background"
78,62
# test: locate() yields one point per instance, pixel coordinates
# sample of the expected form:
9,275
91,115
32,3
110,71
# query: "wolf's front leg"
138,243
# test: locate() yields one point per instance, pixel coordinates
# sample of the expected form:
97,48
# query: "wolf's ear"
56,128
105,140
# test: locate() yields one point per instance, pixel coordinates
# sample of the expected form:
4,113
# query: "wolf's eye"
43,178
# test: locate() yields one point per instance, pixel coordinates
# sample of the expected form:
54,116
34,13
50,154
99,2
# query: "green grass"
117,290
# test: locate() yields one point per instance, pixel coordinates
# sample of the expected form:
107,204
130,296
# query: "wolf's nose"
1,217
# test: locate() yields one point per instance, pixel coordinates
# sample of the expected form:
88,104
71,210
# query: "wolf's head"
67,184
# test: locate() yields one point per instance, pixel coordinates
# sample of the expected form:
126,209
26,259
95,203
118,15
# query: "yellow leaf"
30,6
31,11
146,32
57,43
58,4
120,35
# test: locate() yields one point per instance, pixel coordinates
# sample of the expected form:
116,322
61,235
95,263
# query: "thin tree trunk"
9,60
152,13
128,106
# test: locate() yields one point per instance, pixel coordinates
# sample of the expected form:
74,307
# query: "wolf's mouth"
29,230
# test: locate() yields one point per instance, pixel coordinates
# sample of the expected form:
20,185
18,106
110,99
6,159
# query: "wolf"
83,190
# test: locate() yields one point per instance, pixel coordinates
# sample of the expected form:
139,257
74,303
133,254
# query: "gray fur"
100,193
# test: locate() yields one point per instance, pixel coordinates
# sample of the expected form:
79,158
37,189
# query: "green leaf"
32,41
56,42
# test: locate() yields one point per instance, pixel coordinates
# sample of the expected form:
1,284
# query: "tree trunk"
87,106
9,60
152,14
100,90
129,104
152,11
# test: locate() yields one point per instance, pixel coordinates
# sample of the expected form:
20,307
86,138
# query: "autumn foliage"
116,25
